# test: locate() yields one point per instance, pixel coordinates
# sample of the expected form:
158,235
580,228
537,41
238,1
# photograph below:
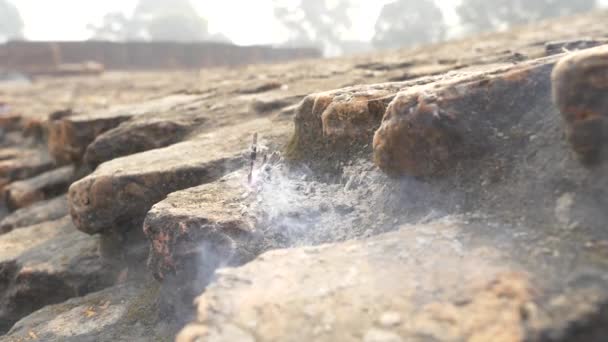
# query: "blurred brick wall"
25,55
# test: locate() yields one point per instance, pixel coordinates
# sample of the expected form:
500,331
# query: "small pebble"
390,319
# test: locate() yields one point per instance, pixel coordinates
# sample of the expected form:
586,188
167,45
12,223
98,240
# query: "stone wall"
28,55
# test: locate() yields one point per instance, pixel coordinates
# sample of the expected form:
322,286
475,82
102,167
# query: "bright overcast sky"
245,22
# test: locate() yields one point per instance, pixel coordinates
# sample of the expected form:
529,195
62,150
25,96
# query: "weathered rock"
436,281
24,193
260,87
27,164
353,291
171,125
417,71
228,222
428,130
47,264
210,215
336,120
269,103
580,83
231,220
44,211
9,141
126,312
8,122
558,47
70,136
10,153
139,135
120,192
195,231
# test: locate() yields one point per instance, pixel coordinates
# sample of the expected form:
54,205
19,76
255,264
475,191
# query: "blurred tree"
114,27
11,24
319,23
175,20
487,15
175,26
160,20
148,9
405,23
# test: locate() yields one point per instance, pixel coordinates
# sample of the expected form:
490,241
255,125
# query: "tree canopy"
487,15
319,23
157,20
406,23
11,24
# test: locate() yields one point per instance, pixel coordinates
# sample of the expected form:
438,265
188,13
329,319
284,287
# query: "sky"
245,22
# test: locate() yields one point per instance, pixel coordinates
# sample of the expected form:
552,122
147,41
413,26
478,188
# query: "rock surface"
26,164
69,136
580,82
429,130
210,215
333,121
47,264
42,187
428,281
41,212
140,135
126,312
385,288
119,193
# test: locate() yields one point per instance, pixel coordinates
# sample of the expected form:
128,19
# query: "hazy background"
335,26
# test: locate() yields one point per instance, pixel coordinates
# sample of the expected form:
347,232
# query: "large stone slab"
70,136
341,124
204,222
47,264
47,185
147,133
44,211
333,123
428,130
26,164
203,112
230,221
233,219
441,281
120,192
195,231
580,83
126,312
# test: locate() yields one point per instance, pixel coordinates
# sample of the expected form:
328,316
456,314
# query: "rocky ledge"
454,192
